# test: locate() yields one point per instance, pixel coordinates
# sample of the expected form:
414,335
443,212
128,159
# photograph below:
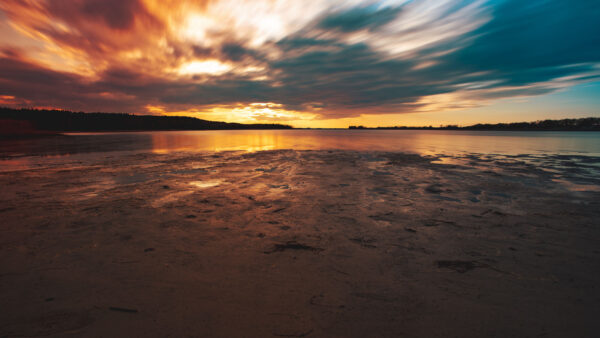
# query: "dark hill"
28,121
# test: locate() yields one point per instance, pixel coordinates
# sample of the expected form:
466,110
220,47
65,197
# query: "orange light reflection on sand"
422,142
259,140
216,141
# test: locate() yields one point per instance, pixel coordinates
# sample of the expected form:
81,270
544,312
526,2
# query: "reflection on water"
205,184
572,157
426,142
76,144
167,142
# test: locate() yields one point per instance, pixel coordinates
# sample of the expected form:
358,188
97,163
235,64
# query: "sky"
318,63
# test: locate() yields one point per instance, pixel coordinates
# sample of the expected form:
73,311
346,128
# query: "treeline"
34,120
582,124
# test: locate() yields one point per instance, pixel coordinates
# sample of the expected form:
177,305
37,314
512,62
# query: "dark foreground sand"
301,244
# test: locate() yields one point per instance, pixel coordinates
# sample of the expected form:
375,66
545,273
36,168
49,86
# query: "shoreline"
298,243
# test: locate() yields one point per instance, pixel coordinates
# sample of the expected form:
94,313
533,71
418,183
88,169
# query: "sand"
301,244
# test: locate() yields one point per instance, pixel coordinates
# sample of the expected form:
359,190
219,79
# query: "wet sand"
301,244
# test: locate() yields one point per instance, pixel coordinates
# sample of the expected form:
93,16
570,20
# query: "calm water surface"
425,142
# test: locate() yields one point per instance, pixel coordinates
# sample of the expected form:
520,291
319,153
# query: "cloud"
116,14
327,59
37,86
359,18
536,42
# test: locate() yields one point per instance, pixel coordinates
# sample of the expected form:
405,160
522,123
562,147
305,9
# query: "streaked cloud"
270,60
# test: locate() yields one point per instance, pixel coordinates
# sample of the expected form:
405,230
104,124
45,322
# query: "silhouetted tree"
62,120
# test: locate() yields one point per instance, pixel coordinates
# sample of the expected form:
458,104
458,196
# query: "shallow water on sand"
286,243
423,142
570,156
481,233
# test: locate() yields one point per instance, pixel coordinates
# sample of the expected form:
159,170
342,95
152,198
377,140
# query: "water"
572,157
424,142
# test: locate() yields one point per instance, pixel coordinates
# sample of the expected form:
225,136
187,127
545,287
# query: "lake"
423,142
157,227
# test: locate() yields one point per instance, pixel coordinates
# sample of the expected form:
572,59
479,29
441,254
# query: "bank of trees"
61,120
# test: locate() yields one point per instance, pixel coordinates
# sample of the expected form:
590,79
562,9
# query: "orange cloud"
304,62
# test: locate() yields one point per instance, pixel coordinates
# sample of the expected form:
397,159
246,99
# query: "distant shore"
581,124
33,122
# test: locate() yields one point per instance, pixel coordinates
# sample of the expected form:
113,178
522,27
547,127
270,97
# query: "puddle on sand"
170,198
131,179
449,160
577,187
175,196
205,184
89,190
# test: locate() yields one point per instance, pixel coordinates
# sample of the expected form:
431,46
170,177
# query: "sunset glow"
321,63
299,168
212,67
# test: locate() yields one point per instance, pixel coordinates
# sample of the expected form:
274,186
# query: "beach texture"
301,244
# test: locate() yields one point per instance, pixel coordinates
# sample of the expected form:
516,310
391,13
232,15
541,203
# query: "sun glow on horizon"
322,63
210,67
257,112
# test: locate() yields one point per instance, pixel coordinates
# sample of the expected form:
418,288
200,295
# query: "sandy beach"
319,169
301,244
